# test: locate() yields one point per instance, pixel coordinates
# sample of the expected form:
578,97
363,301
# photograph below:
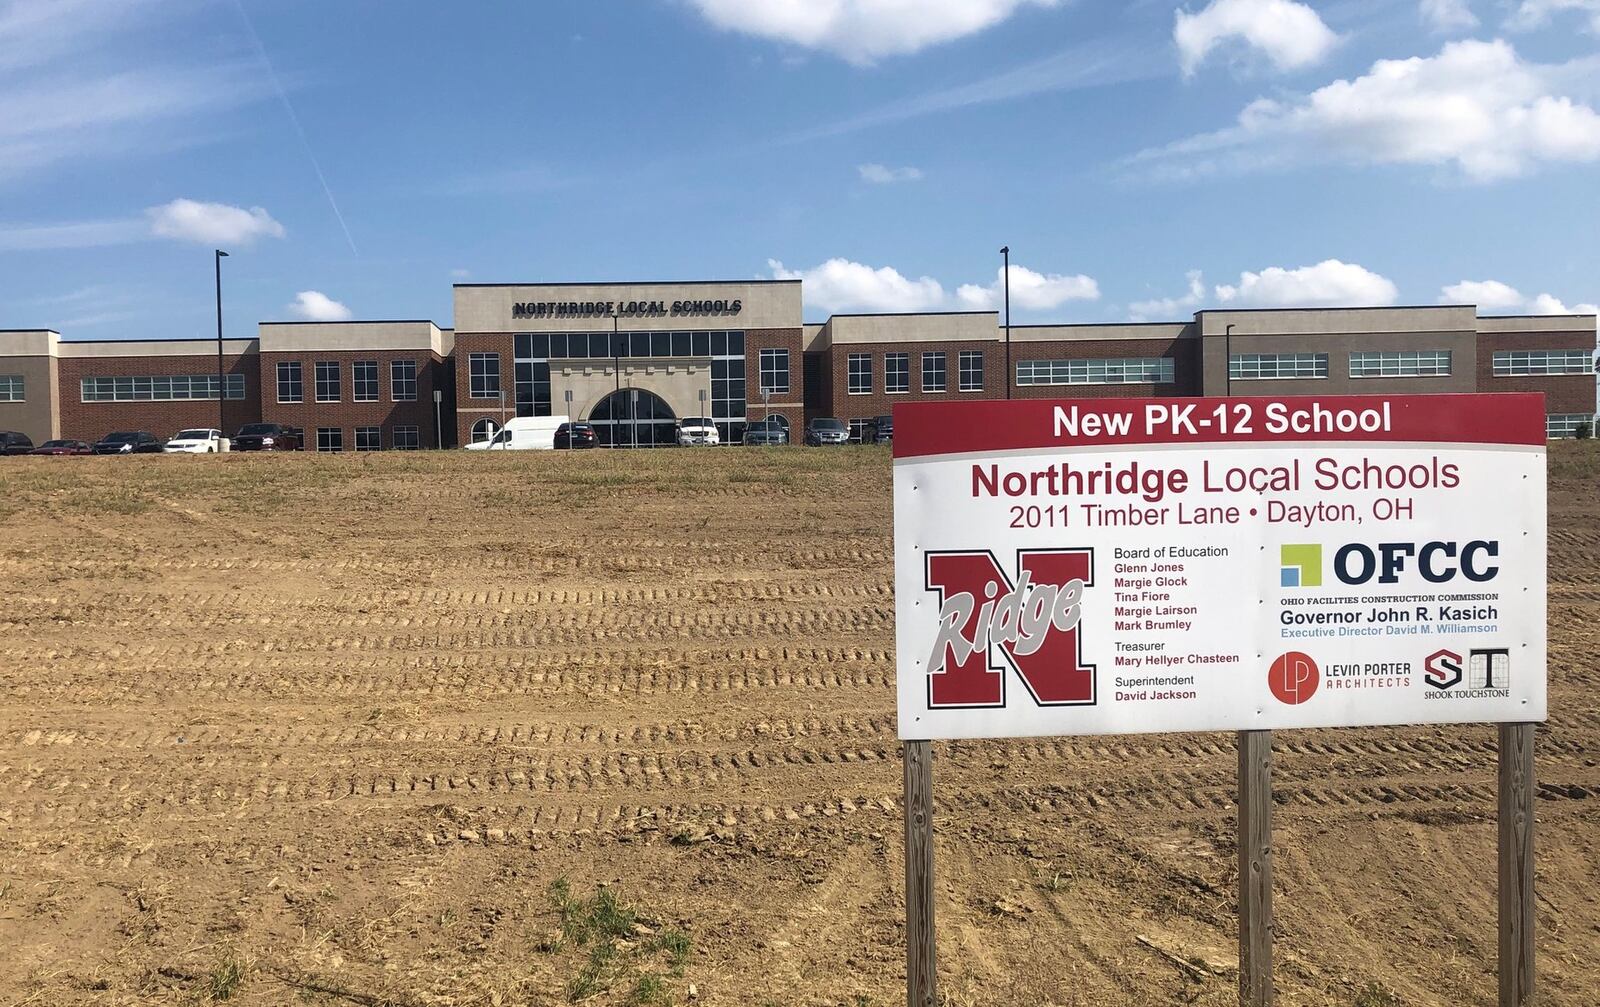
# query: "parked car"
880,430
766,433
13,443
198,441
525,433
827,430
267,437
128,442
62,448
575,435
697,430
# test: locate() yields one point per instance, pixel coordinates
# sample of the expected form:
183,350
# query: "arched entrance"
634,417
484,430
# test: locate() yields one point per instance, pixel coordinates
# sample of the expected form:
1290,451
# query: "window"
407,439
971,363
1400,364
291,387
364,381
330,439
165,388
859,430
933,372
485,372
403,380
1513,363
483,430
1128,371
1262,366
897,373
1558,425
775,371
860,374
327,381
11,388
369,438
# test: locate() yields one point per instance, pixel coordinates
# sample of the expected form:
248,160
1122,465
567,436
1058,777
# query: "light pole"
616,372
1006,280
222,381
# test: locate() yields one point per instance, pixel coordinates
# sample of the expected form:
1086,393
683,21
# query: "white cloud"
315,306
1476,106
878,174
79,234
1545,304
1328,284
1532,14
842,285
212,223
1492,295
1488,295
1030,291
1163,309
1289,34
861,31
1448,15
460,274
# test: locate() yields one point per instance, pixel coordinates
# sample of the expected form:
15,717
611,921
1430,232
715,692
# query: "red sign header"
926,429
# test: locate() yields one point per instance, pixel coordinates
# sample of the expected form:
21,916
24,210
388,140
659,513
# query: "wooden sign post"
1516,864
922,977
1255,868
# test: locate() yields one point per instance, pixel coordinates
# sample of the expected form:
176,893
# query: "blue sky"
1142,159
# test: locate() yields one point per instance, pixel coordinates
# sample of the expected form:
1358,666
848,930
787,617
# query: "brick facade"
1564,393
348,414
89,421
470,410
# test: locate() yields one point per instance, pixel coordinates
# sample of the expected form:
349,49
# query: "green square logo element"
1302,566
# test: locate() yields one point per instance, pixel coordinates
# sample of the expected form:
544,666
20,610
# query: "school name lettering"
1154,484
623,309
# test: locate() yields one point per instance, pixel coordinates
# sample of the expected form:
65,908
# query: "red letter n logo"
1033,623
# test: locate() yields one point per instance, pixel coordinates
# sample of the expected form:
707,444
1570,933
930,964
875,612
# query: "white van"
525,433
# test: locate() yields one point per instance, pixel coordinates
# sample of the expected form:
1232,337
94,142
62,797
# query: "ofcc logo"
1033,623
1357,563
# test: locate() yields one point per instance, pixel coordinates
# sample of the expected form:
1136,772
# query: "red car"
62,448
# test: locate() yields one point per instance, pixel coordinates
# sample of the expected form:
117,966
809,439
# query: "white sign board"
1103,567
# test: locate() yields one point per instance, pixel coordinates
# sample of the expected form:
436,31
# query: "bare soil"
327,730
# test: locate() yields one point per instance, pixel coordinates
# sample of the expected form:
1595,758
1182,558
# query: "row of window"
166,388
363,381
897,372
331,439
1405,364
1558,425
12,388
1128,371
1515,363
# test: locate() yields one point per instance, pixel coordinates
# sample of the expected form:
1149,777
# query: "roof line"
365,321
907,314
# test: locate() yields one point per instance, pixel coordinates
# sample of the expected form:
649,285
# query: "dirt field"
330,729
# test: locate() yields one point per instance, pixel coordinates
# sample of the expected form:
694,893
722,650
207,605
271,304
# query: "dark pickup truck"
267,437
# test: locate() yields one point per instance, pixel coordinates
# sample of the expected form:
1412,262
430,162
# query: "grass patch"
614,945
225,979
1374,995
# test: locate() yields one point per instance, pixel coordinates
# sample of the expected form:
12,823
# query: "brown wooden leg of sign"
921,978
1255,868
1516,865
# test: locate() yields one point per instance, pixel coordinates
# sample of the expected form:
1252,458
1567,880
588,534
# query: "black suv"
13,443
879,431
267,437
129,442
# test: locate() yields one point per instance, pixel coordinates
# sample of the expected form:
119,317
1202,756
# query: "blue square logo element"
1291,576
